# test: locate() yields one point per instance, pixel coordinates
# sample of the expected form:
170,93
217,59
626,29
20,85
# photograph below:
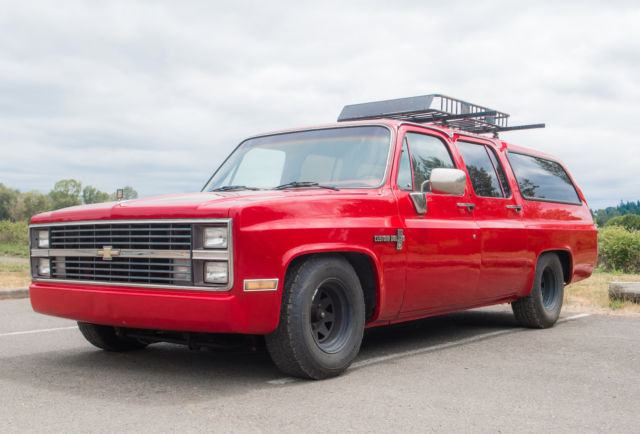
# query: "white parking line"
30,332
410,353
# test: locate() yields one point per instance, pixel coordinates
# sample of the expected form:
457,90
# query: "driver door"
443,247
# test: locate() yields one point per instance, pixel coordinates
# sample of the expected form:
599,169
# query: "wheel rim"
330,317
549,289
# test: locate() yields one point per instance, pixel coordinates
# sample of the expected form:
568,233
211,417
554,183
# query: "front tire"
541,308
106,338
321,319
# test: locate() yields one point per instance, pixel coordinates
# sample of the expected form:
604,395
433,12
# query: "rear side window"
541,179
503,178
481,170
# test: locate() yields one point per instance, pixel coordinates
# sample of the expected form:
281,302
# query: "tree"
128,193
34,202
8,202
66,192
624,208
93,195
630,222
601,217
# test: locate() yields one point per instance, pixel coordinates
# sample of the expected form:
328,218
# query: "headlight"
215,238
44,267
216,272
43,239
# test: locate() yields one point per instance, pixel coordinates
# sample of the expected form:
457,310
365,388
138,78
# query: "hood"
191,205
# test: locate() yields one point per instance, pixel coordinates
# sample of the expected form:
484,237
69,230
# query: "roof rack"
435,109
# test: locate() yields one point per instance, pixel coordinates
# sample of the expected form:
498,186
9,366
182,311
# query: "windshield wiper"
304,184
234,187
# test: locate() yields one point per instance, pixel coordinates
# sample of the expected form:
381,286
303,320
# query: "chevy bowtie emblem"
398,239
108,252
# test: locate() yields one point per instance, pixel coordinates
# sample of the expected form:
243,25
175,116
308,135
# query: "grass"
21,250
14,275
592,295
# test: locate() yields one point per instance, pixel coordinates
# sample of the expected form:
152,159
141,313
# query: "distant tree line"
602,216
17,206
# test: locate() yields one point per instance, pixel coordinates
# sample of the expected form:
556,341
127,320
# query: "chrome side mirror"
441,181
448,181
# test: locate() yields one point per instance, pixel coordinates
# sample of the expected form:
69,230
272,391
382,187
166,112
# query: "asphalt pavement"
473,371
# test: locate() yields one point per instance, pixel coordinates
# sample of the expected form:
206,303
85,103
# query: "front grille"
136,253
158,236
126,270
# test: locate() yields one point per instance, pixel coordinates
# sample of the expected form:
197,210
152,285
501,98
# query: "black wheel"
105,337
321,319
541,308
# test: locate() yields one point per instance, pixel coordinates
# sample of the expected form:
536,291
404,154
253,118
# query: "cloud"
155,94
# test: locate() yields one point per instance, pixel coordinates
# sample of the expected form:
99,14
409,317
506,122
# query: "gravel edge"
13,293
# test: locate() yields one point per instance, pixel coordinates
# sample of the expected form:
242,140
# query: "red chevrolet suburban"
402,209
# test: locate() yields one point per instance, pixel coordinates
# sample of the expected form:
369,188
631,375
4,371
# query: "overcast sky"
155,94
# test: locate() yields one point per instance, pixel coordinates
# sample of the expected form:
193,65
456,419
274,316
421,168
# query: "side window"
427,153
503,178
480,169
404,171
542,179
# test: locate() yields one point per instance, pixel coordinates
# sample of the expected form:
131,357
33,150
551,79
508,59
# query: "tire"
105,337
541,308
321,319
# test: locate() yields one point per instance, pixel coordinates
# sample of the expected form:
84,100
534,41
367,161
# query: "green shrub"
619,249
14,238
13,232
630,222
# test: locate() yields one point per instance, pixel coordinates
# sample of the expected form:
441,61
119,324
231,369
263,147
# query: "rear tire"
541,308
321,319
105,337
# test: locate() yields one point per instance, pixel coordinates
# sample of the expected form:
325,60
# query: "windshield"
350,157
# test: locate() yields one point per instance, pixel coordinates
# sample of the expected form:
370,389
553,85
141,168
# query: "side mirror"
441,181
448,181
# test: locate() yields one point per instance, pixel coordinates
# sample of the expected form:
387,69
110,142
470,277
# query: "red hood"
190,205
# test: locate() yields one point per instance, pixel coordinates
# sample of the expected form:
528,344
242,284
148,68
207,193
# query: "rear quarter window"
542,179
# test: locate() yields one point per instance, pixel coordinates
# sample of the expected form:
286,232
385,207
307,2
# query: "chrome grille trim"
167,254
132,267
170,236
141,221
121,270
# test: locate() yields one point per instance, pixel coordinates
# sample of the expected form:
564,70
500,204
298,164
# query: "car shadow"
435,331
165,373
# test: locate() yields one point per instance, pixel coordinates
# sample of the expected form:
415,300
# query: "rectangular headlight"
215,238
43,239
216,272
44,267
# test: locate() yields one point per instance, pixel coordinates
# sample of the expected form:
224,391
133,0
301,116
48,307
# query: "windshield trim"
387,169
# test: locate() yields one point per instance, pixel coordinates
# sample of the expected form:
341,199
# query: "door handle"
468,206
516,208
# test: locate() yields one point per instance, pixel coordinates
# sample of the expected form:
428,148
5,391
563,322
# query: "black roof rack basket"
434,109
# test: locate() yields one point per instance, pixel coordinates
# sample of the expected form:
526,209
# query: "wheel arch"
363,263
566,260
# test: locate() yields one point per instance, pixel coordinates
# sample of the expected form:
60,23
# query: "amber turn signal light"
261,285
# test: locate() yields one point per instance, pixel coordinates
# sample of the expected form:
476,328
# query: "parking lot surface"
474,371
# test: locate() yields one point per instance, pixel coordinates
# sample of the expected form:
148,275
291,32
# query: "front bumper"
255,313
